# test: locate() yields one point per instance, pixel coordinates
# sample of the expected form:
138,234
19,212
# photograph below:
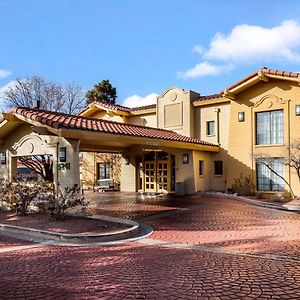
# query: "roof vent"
37,104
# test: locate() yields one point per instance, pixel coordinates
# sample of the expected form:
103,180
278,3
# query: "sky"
144,47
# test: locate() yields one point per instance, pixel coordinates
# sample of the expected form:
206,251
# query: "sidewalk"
292,206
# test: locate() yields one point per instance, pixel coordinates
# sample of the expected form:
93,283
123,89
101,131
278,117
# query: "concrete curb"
284,207
80,239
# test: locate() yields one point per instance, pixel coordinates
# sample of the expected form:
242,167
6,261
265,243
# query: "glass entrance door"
156,172
150,176
162,176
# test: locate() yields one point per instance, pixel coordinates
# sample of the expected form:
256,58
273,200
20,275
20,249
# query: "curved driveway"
202,248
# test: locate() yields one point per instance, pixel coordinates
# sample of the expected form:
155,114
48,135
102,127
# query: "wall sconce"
62,154
297,110
127,160
185,159
241,116
3,158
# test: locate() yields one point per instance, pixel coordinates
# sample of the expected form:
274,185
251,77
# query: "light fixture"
297,110
3,158
127,160
62,154
241,116
185,158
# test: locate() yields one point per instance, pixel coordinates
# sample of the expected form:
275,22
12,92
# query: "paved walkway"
202,248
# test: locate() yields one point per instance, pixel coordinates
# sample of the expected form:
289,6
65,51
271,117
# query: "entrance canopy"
95,134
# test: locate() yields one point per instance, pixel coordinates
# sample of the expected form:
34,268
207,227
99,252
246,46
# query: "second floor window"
210,128
269,127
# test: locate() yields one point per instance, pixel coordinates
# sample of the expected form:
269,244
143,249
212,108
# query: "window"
269,127
268,180
241,116
218,167
297,110
201,167
103,170
210,128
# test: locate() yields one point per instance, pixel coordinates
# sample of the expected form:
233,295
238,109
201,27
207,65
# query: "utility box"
180,189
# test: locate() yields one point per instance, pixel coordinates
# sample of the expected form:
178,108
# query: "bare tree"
67,98
75,98
40,164
293,157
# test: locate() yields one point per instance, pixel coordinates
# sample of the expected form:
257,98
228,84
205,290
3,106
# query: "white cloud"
247,44
5,73
136,100
205,69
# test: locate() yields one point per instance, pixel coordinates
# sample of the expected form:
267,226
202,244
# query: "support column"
68,172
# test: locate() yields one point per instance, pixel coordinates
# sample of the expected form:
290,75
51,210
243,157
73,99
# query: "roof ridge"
86,118
93,124
264,70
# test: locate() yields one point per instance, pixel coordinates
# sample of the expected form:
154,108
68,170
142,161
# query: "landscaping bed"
70,224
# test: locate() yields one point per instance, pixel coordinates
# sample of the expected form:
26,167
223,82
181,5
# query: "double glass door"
156,172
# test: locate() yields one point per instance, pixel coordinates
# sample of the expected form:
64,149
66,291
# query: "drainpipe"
217,110
289,140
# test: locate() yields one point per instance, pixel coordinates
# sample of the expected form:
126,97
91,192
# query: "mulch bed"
69,224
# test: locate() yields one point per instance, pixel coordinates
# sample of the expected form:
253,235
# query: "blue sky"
144,47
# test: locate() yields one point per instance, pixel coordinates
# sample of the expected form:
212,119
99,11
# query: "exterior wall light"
297,110
127,160
62,154
185,159
3,158
241,116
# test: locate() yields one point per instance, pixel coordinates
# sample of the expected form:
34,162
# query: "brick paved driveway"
212,249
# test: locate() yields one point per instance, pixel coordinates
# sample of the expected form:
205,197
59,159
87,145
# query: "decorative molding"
269,100
229,95
262,76
31,142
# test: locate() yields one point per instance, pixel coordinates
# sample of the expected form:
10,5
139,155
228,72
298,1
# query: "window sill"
216,175
210,135
269,145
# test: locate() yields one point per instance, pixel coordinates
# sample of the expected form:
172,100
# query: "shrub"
58,203
243,186
22,195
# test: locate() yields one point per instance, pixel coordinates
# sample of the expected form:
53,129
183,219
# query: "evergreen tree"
102,92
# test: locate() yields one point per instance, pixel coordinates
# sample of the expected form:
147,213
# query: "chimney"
37,104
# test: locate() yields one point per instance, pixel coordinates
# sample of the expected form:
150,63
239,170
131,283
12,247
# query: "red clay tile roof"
120,107
264,70
65,121
208,97
150,106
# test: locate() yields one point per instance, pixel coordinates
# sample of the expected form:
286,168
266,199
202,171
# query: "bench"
105,184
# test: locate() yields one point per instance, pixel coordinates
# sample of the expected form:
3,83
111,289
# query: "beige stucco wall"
108,116
175,111
88,168
149,120
220,114
128,172
264,96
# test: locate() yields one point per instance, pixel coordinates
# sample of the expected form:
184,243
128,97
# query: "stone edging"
80,239
284,207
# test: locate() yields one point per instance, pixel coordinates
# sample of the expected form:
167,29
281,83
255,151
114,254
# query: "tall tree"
67,98
102,92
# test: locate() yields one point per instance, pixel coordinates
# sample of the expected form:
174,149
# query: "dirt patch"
70,224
